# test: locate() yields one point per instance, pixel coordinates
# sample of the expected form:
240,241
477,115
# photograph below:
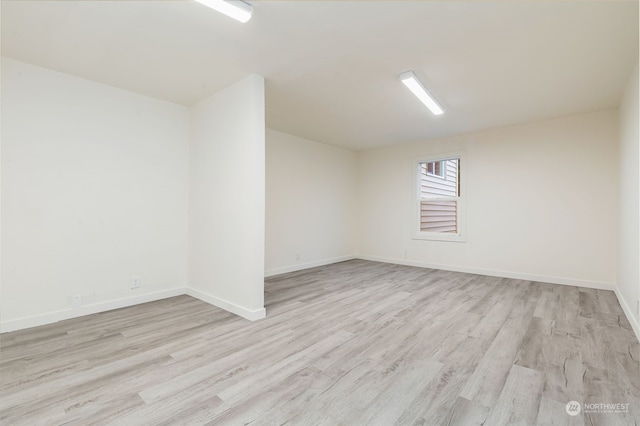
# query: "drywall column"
628,285
227,198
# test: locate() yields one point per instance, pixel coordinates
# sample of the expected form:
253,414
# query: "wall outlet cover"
135,282
76,301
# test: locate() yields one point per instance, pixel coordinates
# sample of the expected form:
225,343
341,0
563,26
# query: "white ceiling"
331,66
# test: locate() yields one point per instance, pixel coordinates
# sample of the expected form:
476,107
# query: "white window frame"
443,168
461,235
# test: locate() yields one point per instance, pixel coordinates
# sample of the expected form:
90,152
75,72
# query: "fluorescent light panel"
410,80
235,9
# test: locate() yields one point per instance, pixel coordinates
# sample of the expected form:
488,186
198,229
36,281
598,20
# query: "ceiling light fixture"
236,9
410,80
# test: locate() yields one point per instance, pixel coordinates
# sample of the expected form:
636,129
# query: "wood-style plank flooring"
355,343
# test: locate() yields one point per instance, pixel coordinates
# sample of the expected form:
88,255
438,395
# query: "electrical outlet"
76,301
297,256
135,282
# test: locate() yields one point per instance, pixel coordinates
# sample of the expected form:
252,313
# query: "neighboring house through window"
440,206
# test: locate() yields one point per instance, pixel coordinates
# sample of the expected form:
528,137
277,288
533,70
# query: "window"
436,168
440,208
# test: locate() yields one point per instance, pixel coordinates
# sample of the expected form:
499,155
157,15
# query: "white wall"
629,234
541,202
94,190
95,183
226,199
311,200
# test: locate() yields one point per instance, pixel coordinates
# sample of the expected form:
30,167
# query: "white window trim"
459,237
444,173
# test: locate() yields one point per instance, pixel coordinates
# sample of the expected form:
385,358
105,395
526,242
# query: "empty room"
222,212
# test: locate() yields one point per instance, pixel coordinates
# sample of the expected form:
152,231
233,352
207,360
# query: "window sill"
434,236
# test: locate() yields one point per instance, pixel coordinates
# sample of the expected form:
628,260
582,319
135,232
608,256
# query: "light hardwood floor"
355,343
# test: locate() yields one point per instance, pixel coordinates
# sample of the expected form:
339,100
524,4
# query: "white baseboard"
629,313
307,265
251,315
51,317
495,273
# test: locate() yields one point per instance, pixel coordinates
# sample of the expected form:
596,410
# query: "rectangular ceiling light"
410,80
236,9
